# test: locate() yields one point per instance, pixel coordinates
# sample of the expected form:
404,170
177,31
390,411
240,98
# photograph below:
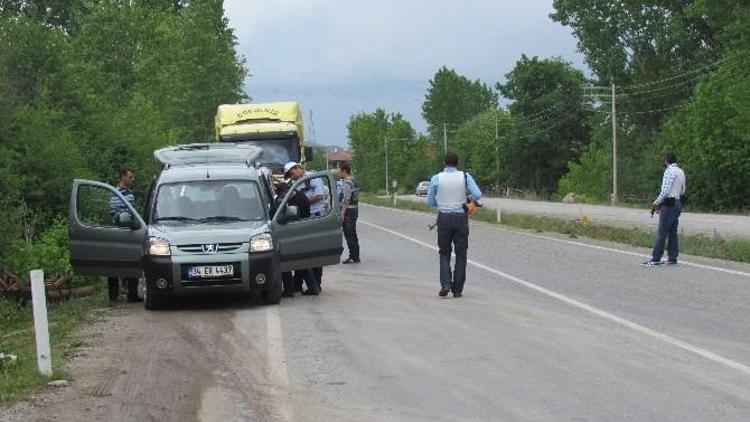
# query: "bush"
50,253
591,177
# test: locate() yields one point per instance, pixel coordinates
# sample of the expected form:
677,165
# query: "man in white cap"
316,194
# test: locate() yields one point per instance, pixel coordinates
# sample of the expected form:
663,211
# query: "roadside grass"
22,377
691,244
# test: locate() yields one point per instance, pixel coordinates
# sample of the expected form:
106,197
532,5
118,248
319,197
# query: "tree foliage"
87,87
549,122
453,99
409,155
712,135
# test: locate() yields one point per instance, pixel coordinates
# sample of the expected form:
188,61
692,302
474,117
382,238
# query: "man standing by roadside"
669,205
117,207
448,192
350,212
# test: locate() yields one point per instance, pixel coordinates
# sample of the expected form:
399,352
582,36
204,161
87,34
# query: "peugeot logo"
210,248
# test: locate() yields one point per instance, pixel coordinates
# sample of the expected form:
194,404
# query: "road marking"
588,308
571,242
277,372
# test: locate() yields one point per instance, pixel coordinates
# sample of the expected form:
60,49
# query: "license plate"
211,271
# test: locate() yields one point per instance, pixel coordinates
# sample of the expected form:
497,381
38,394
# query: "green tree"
368,133
479,152
453,99
549,122
711,136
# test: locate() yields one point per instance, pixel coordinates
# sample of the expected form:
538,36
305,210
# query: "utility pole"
445,136
614,146
497,156
386,166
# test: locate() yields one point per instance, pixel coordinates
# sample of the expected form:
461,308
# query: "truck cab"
276,128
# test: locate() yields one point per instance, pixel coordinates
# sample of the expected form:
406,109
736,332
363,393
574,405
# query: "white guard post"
41,326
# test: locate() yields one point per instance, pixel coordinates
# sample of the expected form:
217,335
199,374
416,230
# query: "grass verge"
17,337
692,244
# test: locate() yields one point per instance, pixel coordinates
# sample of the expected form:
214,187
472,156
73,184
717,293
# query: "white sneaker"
652,263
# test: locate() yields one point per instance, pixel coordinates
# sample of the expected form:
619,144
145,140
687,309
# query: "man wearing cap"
316,194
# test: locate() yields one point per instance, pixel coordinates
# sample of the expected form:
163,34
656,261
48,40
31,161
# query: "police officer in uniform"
448,192
350,212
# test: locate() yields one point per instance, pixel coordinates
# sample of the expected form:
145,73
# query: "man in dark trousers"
291,282
350,212
116,207
311,198
669,205
448,192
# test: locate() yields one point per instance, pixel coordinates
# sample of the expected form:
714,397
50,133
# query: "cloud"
335,53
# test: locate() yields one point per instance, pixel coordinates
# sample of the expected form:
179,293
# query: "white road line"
277,372
588,308
571,242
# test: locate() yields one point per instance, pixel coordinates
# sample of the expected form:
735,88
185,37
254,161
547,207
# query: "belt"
454,214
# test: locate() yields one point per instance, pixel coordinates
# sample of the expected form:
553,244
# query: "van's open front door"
314,241
103,242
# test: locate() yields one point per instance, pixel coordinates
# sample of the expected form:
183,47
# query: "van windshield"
208,201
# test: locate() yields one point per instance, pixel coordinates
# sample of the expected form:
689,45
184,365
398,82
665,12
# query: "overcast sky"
340,57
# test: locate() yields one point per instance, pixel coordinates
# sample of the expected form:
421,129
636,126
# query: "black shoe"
672,262
351,261
287,293
457,294
310,292
443,292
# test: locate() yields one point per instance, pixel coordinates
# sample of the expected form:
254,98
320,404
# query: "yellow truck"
275,127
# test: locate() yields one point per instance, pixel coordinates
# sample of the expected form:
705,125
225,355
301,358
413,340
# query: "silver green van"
211,222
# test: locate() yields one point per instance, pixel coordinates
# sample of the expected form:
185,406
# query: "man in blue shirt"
449,191
669,205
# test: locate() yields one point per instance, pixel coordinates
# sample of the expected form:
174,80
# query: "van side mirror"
308,154
291,213
124,219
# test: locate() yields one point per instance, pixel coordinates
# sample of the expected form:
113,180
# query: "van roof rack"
208,154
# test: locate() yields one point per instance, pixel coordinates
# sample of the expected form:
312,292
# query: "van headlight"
261,243
157,246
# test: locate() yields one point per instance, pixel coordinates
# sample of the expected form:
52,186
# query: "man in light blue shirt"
448,192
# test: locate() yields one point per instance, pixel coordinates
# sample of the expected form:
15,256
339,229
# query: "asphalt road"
725,225
549,329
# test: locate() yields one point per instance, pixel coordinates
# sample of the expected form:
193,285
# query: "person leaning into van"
316,198
448,191
669,205
117,207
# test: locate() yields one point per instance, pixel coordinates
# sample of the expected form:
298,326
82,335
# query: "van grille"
221,248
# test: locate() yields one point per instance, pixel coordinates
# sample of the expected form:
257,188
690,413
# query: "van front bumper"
170,274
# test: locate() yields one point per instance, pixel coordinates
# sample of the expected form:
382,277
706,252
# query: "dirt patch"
176,365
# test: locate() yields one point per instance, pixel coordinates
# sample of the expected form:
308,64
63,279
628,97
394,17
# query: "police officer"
669,205
449,191
117,207
316,198
292,283
350,212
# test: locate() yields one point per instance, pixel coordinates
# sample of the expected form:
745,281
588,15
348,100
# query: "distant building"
335,158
